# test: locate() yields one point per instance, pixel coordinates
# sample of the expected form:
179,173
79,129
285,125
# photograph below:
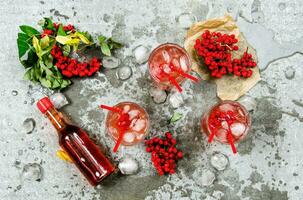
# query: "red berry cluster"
164,153
216,48
66,28
70,67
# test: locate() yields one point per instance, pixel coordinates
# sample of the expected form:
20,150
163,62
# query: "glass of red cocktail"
169,65
127,123
226,122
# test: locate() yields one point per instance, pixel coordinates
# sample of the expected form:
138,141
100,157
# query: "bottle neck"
56,119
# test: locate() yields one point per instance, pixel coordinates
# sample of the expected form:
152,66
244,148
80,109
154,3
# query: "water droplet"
25,102
290,73
32,172
204,177
32,101
158,95
257,17
185,20
248,102
14,92
176,100
124,72
282,6
110,62
17,164
141,54
59,100
29,125
219,161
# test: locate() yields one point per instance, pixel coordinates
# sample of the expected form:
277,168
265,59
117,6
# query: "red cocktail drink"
226,122
127,123
169,65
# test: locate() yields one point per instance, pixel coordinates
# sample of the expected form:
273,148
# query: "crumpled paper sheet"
229,87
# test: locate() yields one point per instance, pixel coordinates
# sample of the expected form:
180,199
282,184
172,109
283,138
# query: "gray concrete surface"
269,164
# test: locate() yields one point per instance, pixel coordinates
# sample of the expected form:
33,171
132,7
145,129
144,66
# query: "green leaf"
65,83
55,84
177,116
28,30
105,49
114,44
31,59
23,47
23,36
45,82
61,31
66,50
101,39
48,24
82,38
27,75
37,47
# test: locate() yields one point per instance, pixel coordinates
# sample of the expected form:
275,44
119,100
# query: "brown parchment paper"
229,87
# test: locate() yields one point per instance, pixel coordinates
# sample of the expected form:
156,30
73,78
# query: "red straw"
121,134
231,141
189,76
175,83
211,137
117,110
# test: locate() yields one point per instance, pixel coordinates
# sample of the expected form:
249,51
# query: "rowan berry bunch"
70,67
216,51
164,154
66,28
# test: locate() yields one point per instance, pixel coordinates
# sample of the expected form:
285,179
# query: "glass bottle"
88,158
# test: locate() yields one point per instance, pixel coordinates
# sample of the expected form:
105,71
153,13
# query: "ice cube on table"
124,73
185,20
32,172
133,113
110,62
219,161
141,54
176,100
58,99
139,125
158,95
183,63
248,102
237,129
206,178
166,56
129,137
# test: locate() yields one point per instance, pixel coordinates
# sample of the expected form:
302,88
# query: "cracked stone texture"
269,163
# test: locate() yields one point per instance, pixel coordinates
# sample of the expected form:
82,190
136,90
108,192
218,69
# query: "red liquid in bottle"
88,158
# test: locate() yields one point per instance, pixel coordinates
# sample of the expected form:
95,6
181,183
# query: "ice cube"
175,63
204,177
166,56
32,172
183,63
158,95
129,137
126,108
140,136
133,113
141,54
128,166
224,125
221,135
237,129
219,161
185,20
113,131
110,62
248,102
226,107
176,100
58,99
124,72
166,68
139,125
